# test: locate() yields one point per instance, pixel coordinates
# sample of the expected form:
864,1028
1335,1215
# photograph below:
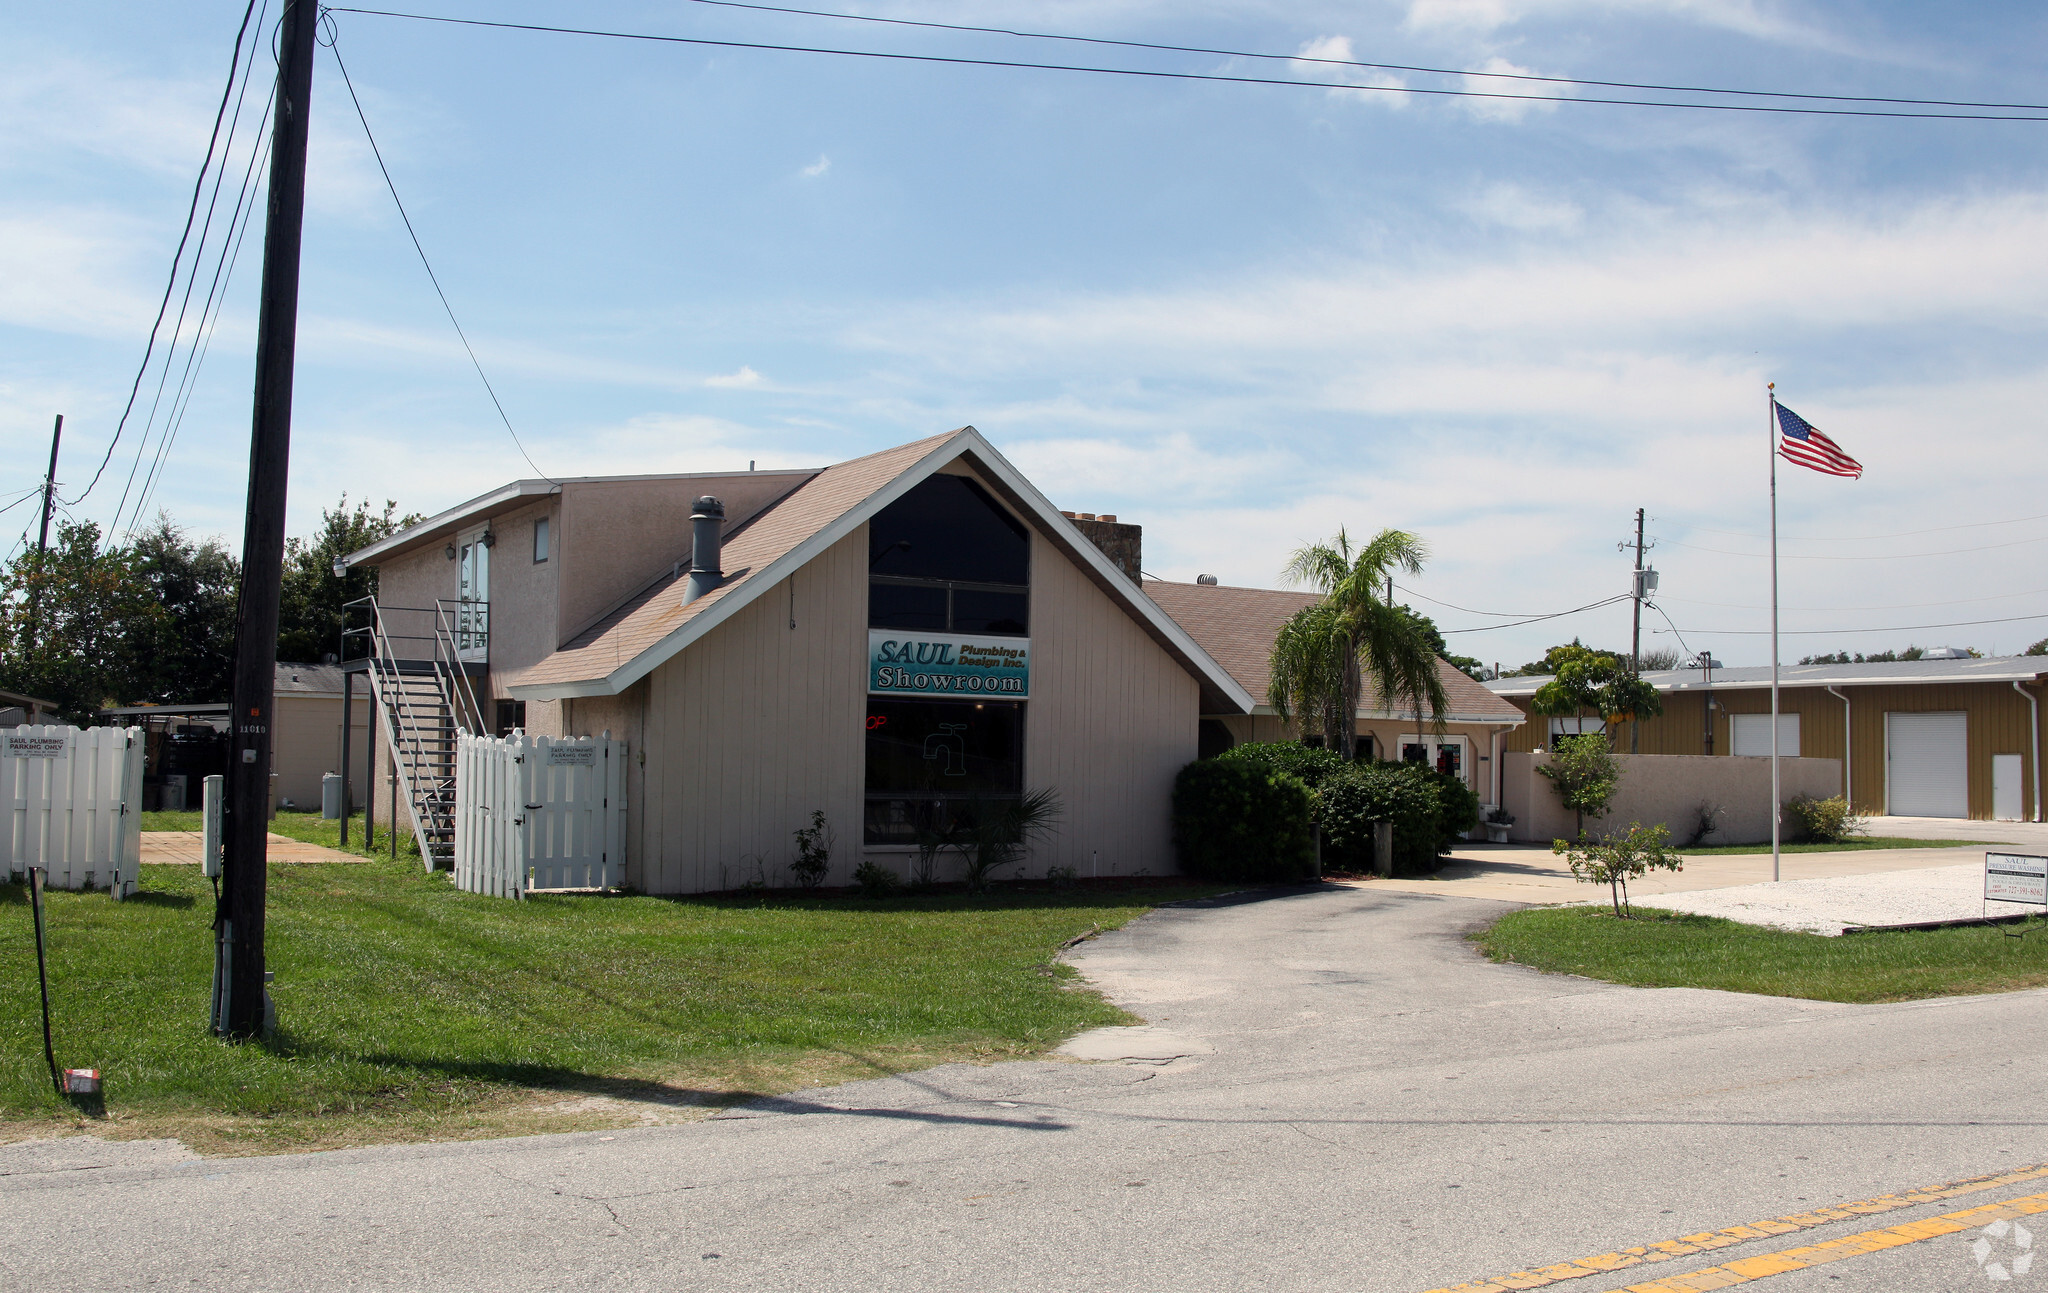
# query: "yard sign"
72,799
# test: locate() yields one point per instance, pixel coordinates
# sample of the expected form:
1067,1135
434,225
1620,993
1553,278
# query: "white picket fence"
73,803
539,812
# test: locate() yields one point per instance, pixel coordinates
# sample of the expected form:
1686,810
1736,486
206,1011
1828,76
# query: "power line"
1902,606
334,48
1157,74
1859,556
1590,606
1450,606
191,213
1347,62
1865,538
1894,628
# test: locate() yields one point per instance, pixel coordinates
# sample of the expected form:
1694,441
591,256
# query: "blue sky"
1241,316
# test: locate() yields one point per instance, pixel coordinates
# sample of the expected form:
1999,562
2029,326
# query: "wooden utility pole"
245,854
50,487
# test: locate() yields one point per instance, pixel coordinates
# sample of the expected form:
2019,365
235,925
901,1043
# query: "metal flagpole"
1775,809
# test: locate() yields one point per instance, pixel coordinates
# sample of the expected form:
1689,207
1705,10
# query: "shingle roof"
1998,669
652,626
1237,627
308,680
658,611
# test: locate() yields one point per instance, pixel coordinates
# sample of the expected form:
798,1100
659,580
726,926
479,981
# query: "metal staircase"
425,701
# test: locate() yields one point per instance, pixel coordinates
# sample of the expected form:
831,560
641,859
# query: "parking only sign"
2016,877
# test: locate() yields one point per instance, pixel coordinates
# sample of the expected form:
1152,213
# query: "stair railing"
402,722
451,633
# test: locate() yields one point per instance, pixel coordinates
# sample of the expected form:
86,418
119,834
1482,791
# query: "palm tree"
1322,655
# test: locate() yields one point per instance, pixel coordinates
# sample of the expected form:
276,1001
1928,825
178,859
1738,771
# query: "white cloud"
744,378
1490,81
1747,17
1337,49
1514,206
818,167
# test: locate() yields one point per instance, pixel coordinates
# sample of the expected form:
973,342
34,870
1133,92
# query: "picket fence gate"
73,799
539,812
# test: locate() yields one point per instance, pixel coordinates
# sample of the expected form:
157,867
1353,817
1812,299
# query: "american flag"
1799,442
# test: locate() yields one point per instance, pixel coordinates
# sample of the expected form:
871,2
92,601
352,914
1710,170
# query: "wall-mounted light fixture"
490,539
451,552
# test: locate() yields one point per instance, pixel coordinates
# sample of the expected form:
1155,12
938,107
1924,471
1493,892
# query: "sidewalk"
1532,873
182,848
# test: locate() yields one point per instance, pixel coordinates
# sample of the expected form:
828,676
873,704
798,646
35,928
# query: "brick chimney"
1122,543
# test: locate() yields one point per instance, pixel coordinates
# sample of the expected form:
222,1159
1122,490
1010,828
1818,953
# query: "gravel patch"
1826,906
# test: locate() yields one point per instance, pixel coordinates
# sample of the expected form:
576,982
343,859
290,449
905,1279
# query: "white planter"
1496,832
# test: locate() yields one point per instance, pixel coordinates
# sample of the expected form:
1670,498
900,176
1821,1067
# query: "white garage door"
1927,765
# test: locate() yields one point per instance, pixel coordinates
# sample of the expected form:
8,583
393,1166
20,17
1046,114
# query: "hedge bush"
1829,821
1311,763
1430,812
1235,820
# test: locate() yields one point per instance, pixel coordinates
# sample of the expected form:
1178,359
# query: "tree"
1552,659
78,647
1584,773
1323,655
1619,858
188,652
1660,658
1465,664
2039,648
1585,679
310,615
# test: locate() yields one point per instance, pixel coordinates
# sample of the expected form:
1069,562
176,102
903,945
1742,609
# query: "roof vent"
707,520
1946,653
1206,579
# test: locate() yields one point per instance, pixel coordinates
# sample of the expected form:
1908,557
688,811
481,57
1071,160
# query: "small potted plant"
1497,823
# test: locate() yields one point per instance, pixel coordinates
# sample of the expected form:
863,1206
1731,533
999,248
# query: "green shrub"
1311,763
1460,807
1408,795
875,880
1584,773
1829,821
1234,820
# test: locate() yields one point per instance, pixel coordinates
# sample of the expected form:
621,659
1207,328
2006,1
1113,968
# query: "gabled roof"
1889,673
653,626
1238,625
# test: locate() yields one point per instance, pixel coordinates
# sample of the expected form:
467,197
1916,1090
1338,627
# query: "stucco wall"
1668,789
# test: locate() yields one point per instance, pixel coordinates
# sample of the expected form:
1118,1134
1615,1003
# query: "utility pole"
1640,584
50,487
35,596
245,853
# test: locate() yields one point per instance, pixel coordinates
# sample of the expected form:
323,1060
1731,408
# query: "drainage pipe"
1848,750
2034,752
707,520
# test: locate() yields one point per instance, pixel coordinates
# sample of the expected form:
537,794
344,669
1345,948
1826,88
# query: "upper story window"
540,540
946,558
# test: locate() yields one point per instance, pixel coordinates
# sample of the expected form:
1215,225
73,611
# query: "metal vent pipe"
707,519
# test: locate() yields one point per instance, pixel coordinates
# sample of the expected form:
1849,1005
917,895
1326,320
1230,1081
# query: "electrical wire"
1674,629
1347,62
1857,556
1865,538
1894,628
1158,74
1903,606
334,48
1467,609
191,214
1590,606
193,347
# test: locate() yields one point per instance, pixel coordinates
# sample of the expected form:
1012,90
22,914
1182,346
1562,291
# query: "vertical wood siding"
751,729
1111,720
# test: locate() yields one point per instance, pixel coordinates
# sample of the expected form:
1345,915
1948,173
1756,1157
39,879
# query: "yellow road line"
1686,1245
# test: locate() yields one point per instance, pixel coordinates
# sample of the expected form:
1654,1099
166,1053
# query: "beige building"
1918,738
1238,627
884,640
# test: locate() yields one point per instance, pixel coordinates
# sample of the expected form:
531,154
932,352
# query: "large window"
945,558
927,757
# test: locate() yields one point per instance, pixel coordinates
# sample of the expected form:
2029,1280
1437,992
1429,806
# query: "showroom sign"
948,664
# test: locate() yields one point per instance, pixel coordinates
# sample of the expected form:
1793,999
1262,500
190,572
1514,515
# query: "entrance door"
473,599
1445,754
2005,787
1927,765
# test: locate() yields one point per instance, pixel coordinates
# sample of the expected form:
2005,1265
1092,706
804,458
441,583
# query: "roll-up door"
1927,765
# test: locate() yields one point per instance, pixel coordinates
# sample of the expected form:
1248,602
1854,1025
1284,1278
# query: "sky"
1241,316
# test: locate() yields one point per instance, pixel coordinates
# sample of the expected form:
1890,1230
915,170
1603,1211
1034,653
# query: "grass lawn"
310,827
1662,949
409,1010
1843,846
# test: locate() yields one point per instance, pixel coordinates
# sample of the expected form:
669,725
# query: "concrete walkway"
1533,874
183,848
2034,835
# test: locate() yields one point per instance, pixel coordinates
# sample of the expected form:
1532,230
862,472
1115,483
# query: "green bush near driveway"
1234,820
1430,811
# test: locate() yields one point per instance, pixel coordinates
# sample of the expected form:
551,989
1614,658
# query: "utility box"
330,796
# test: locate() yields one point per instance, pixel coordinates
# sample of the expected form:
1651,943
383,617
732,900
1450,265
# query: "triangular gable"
651,629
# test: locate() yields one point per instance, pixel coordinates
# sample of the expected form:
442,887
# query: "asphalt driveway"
1332,1092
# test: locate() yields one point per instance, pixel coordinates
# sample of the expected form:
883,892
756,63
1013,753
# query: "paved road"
1333,1093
